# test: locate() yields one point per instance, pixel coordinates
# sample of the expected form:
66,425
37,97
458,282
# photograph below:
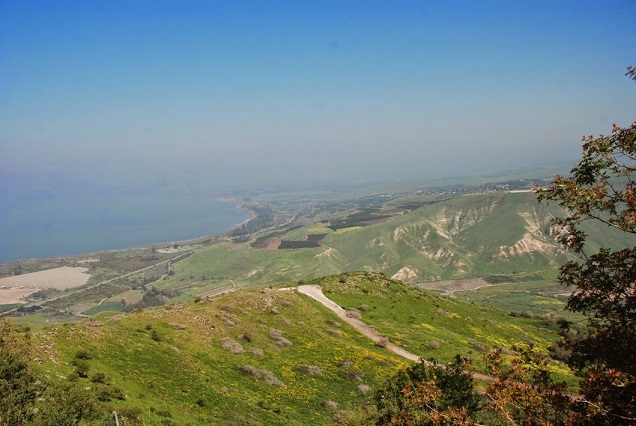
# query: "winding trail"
220,290
315,292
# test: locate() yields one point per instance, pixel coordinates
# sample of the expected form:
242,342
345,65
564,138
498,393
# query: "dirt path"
220,290
315,292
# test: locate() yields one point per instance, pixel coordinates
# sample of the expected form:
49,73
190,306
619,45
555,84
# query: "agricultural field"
84,287
15,289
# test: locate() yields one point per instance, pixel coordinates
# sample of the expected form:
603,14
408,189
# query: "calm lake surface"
46,225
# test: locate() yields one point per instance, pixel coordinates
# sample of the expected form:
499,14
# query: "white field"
14,289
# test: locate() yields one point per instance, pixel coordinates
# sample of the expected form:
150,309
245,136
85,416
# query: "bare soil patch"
273,244
9,296
13,289
58,278
451,286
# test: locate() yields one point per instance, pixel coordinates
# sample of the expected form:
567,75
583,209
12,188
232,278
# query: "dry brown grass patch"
312,370
335,333
354,313
256,351
263,376
232,346
279,340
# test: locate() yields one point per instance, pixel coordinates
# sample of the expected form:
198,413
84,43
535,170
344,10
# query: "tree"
19,386
428,393
602,188
67,404
523,392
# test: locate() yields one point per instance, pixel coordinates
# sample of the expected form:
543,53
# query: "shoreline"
239,205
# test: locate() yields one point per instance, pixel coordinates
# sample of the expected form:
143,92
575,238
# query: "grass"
345,230
538,293
4,308
538,297
414,318
130,297
106,307
171,360
278,355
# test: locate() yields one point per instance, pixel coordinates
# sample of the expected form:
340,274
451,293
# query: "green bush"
99,378
81,368
83,354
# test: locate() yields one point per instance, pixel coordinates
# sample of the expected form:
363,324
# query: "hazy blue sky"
252,91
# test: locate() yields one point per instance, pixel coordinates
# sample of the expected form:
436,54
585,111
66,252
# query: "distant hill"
463,237
426,236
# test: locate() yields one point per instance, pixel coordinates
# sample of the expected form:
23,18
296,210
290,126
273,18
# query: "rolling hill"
278,355
416,238
463,237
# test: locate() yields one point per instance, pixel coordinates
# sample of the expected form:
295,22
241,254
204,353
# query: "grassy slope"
414,318
188,374
184,371
455,238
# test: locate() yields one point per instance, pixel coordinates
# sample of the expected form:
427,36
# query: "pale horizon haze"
256,90
199,97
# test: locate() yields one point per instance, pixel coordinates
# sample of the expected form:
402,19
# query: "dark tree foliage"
428,393
19,385
523,391
602,188
27,398
67,404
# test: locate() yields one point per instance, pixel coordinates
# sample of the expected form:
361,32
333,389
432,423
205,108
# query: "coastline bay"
64,226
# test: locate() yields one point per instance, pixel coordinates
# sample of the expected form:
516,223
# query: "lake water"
41,225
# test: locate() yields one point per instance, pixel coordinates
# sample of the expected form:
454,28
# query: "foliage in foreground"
428,393
520,391
602,188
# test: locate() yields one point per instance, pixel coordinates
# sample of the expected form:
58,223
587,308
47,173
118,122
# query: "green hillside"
414,237
276,354
468,236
